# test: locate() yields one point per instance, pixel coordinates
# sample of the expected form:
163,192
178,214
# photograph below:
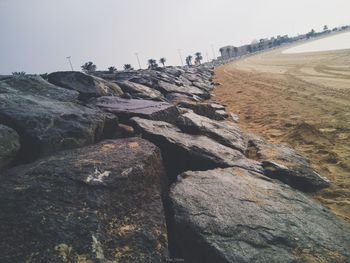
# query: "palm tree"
88,67
198,57
189,60
325,28
162,61
128,67
112,69
152,63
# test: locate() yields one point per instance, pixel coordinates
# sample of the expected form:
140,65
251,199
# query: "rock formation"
138,166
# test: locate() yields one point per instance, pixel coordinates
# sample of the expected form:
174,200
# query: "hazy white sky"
36,36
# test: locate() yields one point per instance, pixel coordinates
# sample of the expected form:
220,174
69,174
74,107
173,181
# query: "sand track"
301,99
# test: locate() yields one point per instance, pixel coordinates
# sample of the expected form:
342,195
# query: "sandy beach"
301,99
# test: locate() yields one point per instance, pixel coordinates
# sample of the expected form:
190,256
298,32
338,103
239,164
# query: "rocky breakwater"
138,166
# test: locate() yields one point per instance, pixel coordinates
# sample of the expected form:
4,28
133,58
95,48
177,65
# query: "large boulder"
210,110
36,85
127,108
9,145
226,133
281,162
233,215
88,86
139,91
183,151
47,125
101,203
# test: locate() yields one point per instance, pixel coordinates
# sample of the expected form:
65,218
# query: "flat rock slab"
233,215
9,145
139,91
46,126
127,108
183,151
228,134
96,204
36,85
281,162
88,86
210,110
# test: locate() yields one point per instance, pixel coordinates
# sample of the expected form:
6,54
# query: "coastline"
300,99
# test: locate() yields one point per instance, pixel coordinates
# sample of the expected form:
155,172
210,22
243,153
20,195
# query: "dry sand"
302,99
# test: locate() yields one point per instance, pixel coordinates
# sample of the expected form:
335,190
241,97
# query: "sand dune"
302,99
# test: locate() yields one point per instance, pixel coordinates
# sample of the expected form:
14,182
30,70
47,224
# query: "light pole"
206,53
138,60
212,49
70,63
182,63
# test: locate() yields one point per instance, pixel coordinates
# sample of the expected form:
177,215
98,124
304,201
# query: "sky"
36,36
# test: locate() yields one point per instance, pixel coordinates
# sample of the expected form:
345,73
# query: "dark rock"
211,110
125,131
96,204
285,164
47,125
233,215
9,145
88,86
36,85
139,90
176,98
226,133
127,108
184,151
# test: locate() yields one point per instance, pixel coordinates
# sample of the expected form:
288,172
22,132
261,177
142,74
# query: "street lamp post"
70,63
182,63
138,60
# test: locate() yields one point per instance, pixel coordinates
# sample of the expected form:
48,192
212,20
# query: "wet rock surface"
88,86
47,125
34,84
233,215
183,151
285,164
9,145
227,134
96,204
127,108
210,110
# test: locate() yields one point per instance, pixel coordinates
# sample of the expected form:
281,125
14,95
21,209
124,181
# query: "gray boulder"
210,110
127,108
226,133
47,125
9,145
283,163
36,85
139,90
185,151
88,86
101,203
233,215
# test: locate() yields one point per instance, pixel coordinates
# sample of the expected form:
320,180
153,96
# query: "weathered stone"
185,151
9,145
211,110
88,86
96,204
139,90
47,125
127,108
233,215
176,98
36,85
285,164
226,133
